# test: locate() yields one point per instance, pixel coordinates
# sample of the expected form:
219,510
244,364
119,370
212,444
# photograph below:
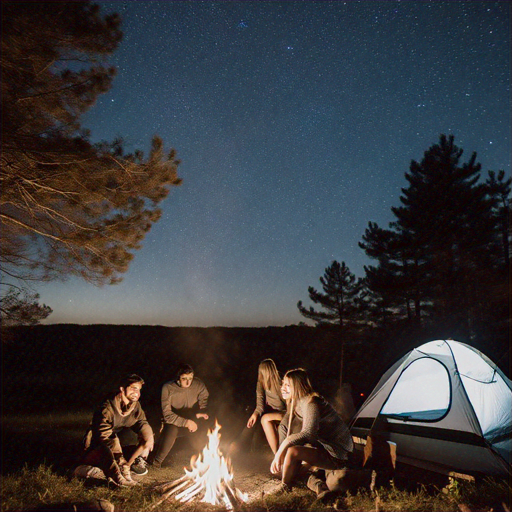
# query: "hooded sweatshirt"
111,417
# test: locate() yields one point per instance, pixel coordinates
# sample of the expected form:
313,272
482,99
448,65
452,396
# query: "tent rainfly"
447,407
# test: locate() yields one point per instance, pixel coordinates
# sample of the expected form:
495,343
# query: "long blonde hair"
269,377
300,386
299,383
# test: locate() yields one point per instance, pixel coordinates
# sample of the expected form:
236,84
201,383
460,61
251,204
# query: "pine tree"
68,206
444,240
19,307
340,302
499,190
395,282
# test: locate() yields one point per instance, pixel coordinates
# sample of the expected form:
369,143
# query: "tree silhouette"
18,307
68,207
499,190
441,255
340,303
395,284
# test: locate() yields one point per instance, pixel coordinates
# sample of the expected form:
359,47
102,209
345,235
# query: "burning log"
190,492
170,488
173,486
177,488
169,485
233,501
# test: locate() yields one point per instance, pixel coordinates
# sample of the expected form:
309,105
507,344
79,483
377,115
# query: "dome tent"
446,406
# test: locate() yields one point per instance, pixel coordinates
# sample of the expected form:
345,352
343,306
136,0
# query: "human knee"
293,453
265,420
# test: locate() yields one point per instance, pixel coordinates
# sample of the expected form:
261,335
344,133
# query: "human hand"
276,466
202,415
252,420
191,425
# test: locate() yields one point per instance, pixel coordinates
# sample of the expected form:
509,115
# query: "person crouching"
103,450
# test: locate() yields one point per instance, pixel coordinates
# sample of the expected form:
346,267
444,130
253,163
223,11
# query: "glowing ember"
210,479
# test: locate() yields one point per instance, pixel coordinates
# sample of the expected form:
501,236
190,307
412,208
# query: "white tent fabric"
446,406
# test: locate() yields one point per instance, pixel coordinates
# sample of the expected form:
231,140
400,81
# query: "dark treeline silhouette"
71,367
74,365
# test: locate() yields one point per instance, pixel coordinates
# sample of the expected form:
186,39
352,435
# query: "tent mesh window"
422,393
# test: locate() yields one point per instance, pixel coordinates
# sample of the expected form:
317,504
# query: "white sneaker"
126,472
121,481
85,471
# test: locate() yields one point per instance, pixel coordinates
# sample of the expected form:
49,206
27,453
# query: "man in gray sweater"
184,404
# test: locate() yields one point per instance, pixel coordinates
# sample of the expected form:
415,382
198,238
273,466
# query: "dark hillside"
66,366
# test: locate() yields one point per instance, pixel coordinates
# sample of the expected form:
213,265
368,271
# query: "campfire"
209,480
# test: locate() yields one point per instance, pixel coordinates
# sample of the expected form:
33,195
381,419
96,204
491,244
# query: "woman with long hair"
270,406
324,440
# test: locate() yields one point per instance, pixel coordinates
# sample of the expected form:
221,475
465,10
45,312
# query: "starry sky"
295,122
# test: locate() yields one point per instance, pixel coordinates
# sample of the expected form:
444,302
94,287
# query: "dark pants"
170,433
107,459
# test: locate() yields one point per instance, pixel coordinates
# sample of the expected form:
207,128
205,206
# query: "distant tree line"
443,264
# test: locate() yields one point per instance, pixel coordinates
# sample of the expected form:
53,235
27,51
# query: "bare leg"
296,455
270,422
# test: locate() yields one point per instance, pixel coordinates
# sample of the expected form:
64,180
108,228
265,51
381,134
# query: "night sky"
295,122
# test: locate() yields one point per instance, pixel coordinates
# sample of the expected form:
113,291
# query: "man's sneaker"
120,481
156,465
139,466
125,472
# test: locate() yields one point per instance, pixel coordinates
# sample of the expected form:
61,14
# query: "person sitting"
270,407
184,409
324,440
102,446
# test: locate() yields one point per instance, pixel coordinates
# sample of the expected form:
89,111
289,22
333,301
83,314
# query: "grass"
38,451
41,488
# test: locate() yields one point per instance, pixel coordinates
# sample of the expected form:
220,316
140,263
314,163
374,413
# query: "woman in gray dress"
324,440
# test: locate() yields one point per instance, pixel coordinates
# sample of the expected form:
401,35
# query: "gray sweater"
178,403
273,400
320,424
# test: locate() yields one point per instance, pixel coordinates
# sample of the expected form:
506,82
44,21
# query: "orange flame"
211,473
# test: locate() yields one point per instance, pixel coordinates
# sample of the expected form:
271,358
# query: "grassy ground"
39,450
